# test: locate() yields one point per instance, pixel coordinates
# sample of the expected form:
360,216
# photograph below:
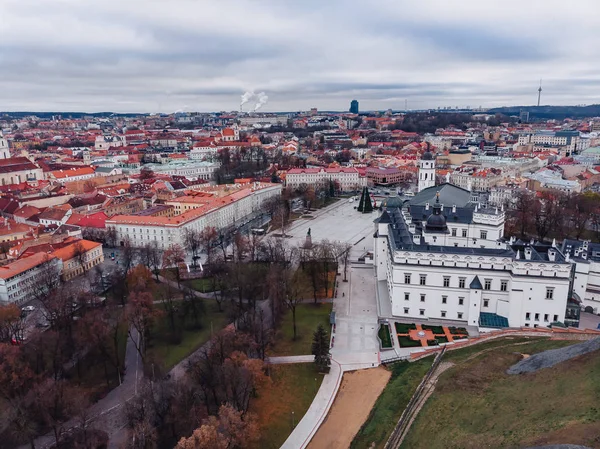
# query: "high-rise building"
354,106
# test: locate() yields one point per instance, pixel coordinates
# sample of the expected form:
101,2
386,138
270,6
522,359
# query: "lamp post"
293,421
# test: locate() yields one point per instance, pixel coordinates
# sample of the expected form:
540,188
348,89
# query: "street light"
293,421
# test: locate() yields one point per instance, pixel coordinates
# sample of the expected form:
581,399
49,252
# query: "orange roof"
12,269
68,252
60,174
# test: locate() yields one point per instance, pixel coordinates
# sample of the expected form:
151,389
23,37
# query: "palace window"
528,316
407,278
453,232
460,315
549,292
537,317
422,297
545,317
461,301
446,281
406,296
422,312
555,318
483,235
503,286
444,299
443,312
406,310
464,232
487,284
486,303
461,282
422,279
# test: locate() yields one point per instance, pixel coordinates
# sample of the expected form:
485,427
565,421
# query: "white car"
28,309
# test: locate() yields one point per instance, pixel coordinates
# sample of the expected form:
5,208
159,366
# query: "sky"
202,55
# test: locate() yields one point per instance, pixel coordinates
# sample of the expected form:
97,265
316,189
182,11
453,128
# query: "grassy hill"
476,404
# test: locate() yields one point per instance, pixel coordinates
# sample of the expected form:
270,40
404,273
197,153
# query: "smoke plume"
246,97
262,100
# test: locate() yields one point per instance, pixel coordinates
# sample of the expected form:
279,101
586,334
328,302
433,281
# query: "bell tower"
4,151
426,170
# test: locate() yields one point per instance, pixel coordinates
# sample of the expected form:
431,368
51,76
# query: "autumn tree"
293,287
139,279
208,238
11,325
141,316
172,258
231,429
151,257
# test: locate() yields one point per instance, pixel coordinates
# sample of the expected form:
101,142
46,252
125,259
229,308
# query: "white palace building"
442,256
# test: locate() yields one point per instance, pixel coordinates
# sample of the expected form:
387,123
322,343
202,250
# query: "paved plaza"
338,222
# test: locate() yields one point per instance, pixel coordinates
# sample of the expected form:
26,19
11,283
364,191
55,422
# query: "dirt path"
357,395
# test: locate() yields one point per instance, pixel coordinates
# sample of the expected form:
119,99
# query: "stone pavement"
291,359
354,337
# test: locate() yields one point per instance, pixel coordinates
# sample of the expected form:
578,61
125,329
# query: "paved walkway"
354,338
291,359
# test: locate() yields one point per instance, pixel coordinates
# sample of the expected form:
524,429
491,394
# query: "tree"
294,284
151,256
368,206
320,349
231,429
146,173
141,316
208,239
11,325
343,255
192,241
173,257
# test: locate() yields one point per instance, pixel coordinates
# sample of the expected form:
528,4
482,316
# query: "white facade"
19,280
426,172
189,169
167,231
4,150
348,178
437,275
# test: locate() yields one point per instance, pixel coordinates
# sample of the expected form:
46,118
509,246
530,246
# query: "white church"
442,256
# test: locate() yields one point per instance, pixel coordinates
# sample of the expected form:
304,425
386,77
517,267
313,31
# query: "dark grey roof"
476,284
449,195
384,218
427,156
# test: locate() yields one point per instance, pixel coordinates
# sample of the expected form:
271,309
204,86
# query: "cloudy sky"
202,55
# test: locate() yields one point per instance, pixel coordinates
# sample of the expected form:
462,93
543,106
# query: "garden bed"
434,329
404,328
458,330
407,342
385,339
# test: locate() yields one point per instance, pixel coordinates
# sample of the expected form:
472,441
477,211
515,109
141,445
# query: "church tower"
426,170
4,152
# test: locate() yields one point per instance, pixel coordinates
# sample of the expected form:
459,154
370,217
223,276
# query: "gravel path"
552,357
561,446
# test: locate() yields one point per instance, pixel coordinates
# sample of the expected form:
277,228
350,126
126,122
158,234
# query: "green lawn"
293,388
384,335
308,318
459,355
476,404
167,355
204,285
391,403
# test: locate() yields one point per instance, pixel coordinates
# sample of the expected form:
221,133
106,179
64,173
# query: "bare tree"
192,241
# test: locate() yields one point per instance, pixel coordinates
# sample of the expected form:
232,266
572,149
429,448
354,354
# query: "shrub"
404,328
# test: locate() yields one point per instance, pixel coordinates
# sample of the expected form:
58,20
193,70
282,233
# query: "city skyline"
122,57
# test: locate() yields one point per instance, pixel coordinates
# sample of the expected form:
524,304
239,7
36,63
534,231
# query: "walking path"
291,359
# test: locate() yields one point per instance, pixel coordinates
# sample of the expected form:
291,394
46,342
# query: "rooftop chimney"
552,254
528,252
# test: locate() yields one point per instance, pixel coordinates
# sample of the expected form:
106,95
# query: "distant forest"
551,112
